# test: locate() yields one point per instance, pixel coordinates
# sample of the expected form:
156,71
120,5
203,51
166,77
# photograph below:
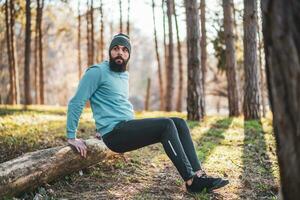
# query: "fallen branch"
33,169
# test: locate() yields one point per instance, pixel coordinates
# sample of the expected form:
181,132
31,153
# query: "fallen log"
33,169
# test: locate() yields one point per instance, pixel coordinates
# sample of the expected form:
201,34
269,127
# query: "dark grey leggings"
173,133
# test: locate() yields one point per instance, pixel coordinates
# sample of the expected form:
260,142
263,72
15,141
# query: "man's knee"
178,121
168,123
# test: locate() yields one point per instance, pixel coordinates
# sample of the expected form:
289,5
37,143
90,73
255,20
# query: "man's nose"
120,52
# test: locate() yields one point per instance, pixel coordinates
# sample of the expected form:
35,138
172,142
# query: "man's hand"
79,145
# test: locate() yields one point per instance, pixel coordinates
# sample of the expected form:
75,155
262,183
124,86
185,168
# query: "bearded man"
106,86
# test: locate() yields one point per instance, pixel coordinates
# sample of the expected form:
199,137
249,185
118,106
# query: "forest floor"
243,152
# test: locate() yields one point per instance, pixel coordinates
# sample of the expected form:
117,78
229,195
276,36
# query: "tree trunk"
101,31
79,42
92,32
160,79
180,67
251,105
14,55
282,50
11,94
27,55
111,29
170,66
262,72
14,93
165,45
128,22
88,35
121,20
41,61
203,46
33,169
233,92
36,61
147,98
195,103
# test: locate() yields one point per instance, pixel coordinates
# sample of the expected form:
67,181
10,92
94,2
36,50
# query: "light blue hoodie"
108,92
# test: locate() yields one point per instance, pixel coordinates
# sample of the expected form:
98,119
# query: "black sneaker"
205,182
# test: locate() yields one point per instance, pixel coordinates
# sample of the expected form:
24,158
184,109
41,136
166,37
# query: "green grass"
243,152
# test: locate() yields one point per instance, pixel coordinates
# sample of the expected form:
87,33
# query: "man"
106,86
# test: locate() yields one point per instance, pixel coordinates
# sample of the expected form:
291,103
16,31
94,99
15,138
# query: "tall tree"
281,30
160,79
128,21
11,95
121,20
203,43
14,94
233,92
36,61
147,98
170,66
261,70
195,102
164,35
27,54
14,53
180,65
41,62
79,40
101,31
90,32
251,105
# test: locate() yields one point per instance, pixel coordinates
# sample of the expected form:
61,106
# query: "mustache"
119,57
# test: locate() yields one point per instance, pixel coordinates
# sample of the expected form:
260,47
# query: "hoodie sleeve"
86,88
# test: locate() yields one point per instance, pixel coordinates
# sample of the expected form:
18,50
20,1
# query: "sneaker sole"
220,184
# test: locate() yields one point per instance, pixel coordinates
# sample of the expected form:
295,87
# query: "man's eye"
125,49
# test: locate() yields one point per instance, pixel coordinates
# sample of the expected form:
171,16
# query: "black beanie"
120,39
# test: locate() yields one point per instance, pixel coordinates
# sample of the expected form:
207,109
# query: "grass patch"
243,152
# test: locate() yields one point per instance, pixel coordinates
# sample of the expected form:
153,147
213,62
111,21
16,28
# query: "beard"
116,67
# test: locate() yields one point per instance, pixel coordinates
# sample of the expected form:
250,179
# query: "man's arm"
86,88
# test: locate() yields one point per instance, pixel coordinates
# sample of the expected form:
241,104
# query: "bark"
101,31
262,72
36,62
203,43
79,42
180,67
14,93
27,55
14,54
251,105
233,92
111,29
33,169
121,20
88,35
147,98
128,22
195,103
281,30
41,61
11,94
165,37
92,32
170,66
160,79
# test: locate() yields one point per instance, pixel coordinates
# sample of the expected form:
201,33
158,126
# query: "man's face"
119,56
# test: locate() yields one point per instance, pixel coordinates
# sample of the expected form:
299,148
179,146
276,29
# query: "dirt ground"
243,152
